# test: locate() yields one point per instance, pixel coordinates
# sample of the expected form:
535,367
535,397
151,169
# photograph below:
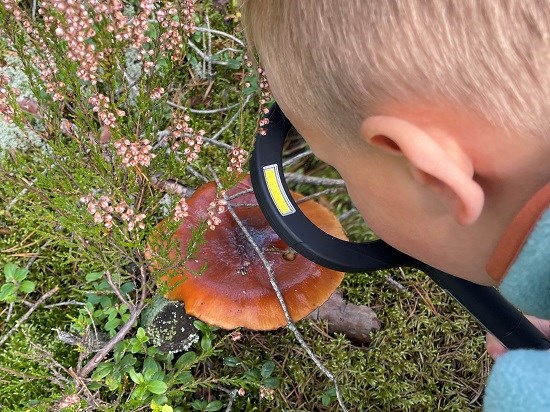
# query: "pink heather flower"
237,160
216,207
103,209
265,98
194,141
180,211
76,27
100,104
6,109
135,154
175,27
157,93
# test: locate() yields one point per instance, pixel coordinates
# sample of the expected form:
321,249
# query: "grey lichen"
168,327
12,136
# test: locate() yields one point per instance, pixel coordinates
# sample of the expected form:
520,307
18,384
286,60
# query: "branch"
23,318
281,299
134,314
320,181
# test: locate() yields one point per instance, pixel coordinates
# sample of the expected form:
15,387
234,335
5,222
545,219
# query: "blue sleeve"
519,382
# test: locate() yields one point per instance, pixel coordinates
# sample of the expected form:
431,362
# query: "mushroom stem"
273,282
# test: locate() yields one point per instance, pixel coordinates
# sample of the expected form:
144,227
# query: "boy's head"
436,113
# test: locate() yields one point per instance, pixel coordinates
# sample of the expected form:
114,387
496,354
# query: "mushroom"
224,283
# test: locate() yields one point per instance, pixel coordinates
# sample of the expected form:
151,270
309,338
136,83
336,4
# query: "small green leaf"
183,378
267,369
26,286
112,324
140,334
214,406
102,370
167,408
136,376
206,344
90,277
7,292
157,387
9,271
253,375
20,274
272,382
150,367
231,361
185,360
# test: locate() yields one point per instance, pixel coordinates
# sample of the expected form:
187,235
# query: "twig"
232,396
202,111
320,181
10,311
117,291
55,305
196,173
209,36
294,159
318,194
171,186
281,299
134,314
347,214
244,192
232,119
220,33
215,142
23,318
205,58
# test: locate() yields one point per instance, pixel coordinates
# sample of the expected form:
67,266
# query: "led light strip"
275,187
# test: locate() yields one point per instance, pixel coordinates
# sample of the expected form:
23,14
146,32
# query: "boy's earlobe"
438,164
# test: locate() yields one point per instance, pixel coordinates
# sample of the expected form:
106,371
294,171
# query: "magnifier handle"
492,311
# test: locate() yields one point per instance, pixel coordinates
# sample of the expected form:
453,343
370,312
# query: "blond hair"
338,61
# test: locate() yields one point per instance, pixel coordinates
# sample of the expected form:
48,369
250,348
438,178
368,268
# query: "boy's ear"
438,163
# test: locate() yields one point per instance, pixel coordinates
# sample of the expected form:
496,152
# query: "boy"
437,116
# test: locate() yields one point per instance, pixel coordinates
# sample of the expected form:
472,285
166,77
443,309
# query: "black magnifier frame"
484,303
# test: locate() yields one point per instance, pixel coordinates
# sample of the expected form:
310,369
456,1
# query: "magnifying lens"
268,181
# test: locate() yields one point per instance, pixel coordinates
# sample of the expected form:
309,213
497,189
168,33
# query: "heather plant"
119,110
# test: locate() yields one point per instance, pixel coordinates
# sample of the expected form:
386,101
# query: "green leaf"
135,376
112,324
150,367
253,375
267,369
7,292
102,370
271,382
9,271
214,406
20,274
199,405
26,286
231,361
206,344
90,277
167,408
156,387
140,334
183,378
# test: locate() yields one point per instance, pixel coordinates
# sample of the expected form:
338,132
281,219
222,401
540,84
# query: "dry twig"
135,311
23,318
273,281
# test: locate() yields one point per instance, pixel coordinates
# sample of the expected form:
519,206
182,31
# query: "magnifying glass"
484,303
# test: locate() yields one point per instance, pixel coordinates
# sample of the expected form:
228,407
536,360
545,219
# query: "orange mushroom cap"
234,289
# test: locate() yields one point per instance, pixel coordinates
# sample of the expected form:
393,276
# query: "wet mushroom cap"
225,283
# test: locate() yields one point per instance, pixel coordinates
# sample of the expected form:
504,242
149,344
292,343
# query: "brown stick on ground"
356,322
